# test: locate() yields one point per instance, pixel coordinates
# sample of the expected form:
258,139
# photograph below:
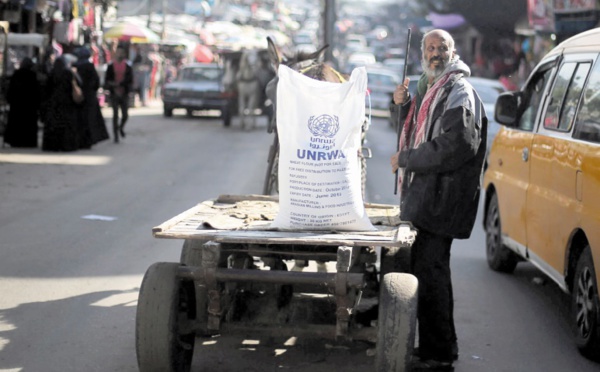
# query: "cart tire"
163,304
167,112
191,255
396,323
191,252
499,257
394,260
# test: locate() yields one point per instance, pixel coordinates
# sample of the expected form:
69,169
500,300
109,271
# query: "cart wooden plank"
247,219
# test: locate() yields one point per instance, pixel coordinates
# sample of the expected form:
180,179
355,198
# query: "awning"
446,21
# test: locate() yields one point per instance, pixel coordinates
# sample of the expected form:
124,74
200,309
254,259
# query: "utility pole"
149,13
32,23
163,34
329,18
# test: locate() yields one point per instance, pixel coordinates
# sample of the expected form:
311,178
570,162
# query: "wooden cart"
233,277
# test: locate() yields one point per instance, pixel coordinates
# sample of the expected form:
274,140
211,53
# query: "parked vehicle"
396,64
541,203
198,86
488,90
381,85
359,59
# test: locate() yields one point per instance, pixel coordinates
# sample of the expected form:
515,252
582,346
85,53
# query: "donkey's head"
309,64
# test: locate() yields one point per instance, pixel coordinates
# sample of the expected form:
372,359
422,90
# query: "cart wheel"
191,252
165,304
396,322
394,260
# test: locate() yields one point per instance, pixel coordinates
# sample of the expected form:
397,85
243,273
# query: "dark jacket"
442,179
127,82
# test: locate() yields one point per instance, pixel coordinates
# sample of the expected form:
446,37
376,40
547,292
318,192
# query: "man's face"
120,54
436,55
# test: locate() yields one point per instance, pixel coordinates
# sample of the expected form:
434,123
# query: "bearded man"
440,164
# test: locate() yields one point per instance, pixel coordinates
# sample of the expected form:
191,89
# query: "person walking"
24,97
440,163
60,123
90,115
142,66
118,81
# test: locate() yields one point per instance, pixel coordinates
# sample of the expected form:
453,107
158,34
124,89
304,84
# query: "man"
440,162
119,79
142,66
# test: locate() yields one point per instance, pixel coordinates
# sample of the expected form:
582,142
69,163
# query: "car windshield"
200,74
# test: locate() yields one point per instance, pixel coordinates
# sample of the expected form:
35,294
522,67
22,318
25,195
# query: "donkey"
249,87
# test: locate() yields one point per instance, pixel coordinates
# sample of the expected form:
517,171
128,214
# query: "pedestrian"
142,66
118,81
24,98
60,123
440,162
90,115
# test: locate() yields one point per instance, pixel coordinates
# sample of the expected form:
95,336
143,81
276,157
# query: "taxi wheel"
499,257
585,307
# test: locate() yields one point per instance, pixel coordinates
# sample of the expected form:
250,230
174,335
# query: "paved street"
76,240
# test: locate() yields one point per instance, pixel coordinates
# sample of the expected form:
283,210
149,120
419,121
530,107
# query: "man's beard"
436,71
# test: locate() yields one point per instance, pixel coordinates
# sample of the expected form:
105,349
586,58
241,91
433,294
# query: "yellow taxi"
542,182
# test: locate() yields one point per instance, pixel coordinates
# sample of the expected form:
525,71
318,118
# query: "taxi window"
565,96
587,124
532,94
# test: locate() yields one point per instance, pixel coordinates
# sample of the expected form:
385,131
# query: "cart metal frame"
218,280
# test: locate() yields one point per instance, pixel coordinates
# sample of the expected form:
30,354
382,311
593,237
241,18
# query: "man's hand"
401,93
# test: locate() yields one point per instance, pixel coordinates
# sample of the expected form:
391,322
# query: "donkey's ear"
318,55
274,55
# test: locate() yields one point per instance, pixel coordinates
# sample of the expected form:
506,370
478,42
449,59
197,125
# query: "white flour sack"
319,125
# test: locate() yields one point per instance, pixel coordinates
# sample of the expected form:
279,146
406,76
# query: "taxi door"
553,203
508,163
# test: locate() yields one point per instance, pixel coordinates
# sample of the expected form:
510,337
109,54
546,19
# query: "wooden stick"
398,129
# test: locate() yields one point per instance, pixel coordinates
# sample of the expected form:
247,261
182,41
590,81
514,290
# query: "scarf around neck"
414,129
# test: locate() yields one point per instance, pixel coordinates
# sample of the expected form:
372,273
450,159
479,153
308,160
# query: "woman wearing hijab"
60,128
23,96
90,115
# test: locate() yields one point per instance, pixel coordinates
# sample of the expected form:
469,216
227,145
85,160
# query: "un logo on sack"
324,125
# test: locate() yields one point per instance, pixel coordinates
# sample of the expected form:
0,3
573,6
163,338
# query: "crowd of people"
69,123
42,95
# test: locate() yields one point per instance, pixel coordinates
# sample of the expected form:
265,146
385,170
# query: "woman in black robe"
60,125
91,121
23,96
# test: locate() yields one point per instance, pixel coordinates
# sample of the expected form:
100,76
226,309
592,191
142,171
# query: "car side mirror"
507,108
